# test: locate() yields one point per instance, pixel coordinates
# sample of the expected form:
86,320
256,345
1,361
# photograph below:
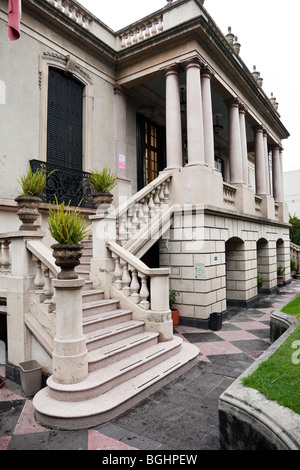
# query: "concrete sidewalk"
181,416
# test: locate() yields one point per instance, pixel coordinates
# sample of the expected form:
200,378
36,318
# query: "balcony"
66,184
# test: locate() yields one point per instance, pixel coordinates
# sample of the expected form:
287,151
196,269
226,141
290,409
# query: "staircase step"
71,415
105,319
88,285
101,381
111,353
93,308
113,333
92,295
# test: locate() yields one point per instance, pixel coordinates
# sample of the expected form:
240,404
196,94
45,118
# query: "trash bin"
215,322
31,377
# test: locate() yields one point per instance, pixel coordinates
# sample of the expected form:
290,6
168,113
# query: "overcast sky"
269,33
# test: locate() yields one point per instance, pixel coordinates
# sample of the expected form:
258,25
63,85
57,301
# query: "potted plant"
102,182
174,312
68,228
293,267
280,277
32,185
260,281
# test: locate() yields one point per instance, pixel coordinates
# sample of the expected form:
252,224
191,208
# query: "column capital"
232,102
258,128
207,71
171,69
243,108
193,61
119,90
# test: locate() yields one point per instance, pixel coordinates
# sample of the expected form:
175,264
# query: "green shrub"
260,281
293,265
33,183
103,181
280,270
65,225
172,296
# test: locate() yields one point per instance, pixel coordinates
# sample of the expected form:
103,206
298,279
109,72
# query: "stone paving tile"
183,415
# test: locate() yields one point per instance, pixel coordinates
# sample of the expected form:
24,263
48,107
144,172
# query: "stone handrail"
138,210
131,277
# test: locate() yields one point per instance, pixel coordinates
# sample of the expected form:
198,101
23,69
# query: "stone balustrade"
142,207
45,272
74,11
229,193
141,31
148,288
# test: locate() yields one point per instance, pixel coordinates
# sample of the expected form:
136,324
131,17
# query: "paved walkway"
181,416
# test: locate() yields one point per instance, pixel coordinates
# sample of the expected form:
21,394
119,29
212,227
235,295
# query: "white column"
235,153
244,149
266,150
260,167
195,134
173,119
277,174
208,124
120,131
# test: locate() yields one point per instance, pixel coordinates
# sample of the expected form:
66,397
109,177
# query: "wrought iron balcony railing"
66,184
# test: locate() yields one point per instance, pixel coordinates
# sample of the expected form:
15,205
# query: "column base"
70,363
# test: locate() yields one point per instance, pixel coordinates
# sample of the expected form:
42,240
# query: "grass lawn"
278,378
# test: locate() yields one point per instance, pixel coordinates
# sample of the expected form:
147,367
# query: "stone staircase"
126,363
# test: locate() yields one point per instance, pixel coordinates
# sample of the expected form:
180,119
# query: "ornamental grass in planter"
102,182
32,185
68,228
174,312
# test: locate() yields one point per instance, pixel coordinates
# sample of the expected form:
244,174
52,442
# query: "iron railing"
66,184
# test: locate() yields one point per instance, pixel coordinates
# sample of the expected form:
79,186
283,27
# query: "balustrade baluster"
147,31
151,205
134,220
161,195
117,272
59,5
126,280
156,200
166,192
144,292
39,280
48,290
134,286
141,34
5,258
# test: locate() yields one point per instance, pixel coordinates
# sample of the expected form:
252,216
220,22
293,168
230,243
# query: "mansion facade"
170,106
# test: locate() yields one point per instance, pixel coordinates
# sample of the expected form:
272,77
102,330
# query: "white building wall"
291,185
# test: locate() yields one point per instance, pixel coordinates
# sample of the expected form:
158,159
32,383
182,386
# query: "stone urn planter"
67,257
102,182
102,201
28,211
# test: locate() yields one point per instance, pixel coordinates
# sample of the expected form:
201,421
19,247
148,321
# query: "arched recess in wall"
280,253
263,261
235,269
70,67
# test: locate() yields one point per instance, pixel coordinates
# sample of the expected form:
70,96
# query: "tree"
295,229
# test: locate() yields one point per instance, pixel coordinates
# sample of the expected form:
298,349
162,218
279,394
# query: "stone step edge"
96,411
112,332
123,344
109,377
